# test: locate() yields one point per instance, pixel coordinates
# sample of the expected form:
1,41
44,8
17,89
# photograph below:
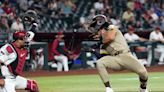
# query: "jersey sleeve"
112,28
7,54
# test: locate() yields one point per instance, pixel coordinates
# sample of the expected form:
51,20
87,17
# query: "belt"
120,52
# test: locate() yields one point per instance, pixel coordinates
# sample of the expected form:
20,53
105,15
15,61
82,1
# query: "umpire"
119,56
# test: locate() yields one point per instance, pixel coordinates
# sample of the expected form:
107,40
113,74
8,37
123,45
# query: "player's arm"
3,54
143,39
108,35
7,54
2,82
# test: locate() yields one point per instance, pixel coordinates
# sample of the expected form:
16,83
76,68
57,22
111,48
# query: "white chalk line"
136,78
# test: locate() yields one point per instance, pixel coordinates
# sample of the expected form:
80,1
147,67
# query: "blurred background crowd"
70,16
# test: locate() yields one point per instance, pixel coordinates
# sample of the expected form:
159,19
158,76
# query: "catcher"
118,55
12,59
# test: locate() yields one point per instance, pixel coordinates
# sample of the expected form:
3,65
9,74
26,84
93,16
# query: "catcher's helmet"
19,35
23,35
98,22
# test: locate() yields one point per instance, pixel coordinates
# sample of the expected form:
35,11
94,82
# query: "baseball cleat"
143,90
109,89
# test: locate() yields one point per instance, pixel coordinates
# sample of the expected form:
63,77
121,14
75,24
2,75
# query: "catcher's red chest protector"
16,66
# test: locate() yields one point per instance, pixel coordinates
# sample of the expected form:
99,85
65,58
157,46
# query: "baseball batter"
119,56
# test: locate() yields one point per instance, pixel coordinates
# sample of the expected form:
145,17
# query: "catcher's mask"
98,22
30,20
30,16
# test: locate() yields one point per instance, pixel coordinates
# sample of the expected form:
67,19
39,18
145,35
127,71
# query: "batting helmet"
98,22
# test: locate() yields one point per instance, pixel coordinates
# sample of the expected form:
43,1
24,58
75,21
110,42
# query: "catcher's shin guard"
32,86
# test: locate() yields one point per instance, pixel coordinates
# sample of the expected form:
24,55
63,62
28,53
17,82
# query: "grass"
125,82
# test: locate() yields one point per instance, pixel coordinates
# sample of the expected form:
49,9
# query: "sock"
107,84
143,83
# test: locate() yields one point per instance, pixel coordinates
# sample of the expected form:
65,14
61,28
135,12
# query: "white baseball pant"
62,61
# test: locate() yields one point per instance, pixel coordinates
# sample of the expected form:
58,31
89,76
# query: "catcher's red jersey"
13,57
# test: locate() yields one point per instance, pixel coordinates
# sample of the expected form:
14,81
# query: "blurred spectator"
132,37
4,23
128,16
162,22
59,50
147,20
53,10
99,5
156,36
162,9
10,11
106,3
142,1
66,8
23,4
13,14
44,5
116,21
6,8
153,15
40,6
138,9
3,18
109,13
92,13
131,21
130,4
2,13
17,25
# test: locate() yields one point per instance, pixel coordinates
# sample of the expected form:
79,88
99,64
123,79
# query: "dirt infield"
82,72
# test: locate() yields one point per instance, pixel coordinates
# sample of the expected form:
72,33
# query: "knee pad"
32,86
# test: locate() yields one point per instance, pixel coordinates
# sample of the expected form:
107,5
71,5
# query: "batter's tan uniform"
120,58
